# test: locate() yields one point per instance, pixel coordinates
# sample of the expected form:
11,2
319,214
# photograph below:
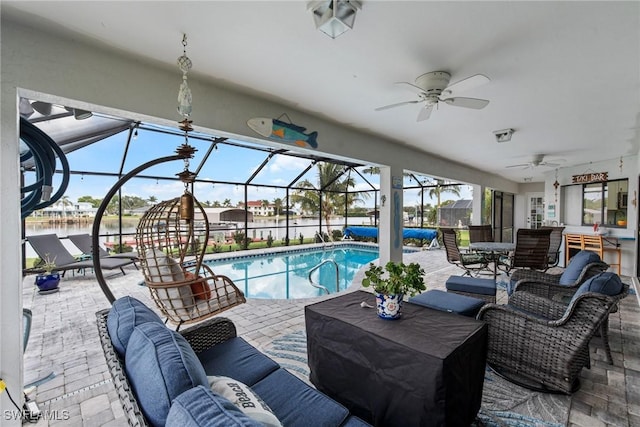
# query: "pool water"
285,275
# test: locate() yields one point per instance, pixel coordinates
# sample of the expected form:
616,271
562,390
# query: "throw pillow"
199,406
576,265
126,313
160,365
162,268
606,283
200,288
244,398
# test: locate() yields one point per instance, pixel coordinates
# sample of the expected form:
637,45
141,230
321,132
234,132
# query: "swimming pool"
285,275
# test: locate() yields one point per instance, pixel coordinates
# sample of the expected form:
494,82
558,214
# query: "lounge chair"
49,246
84,242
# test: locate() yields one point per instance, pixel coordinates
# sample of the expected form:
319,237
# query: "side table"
425,369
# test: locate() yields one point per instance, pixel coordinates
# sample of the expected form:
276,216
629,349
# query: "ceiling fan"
537,161
434,88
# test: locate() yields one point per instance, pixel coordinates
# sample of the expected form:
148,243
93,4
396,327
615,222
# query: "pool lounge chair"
49,247
84,242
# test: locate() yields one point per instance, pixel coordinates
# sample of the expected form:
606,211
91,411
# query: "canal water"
258,229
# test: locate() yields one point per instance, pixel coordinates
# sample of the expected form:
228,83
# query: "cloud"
287,163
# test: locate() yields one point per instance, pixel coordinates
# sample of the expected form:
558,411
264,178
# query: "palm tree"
64,202
264,204
277,205
334,188
439,189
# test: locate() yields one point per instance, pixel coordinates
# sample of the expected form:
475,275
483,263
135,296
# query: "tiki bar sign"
590,177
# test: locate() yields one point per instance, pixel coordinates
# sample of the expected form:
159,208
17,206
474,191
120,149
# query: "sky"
226,163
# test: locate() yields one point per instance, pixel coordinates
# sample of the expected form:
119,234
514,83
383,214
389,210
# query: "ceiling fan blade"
522,166
411,86
425,113
386,107
550,164
474,103
468,83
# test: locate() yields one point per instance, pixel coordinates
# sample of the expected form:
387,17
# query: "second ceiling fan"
434,87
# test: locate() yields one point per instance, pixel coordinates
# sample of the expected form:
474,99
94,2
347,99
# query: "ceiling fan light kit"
503,135
334,17
434,87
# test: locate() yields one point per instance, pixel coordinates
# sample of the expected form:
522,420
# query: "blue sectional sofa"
164,377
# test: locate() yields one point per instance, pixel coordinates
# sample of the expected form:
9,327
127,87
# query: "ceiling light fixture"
503,135
334,17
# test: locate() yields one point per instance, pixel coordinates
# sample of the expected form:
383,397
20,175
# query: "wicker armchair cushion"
199,406
160,365
125,314
606,283
576,265
245,399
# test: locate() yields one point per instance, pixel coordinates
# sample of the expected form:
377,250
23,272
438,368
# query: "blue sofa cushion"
296,404
447,301
237,359
576,265
160,365
473,285
199,406
125,314
606,283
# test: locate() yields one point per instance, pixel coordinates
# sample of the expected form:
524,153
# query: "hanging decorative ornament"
556,184
185,150
621,163
184,94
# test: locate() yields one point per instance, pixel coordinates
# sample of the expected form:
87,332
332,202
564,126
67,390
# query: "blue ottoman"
446,301
473,287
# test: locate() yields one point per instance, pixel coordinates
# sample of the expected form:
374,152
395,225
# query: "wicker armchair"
543,344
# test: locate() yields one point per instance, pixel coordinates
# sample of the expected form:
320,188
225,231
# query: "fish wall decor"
280,131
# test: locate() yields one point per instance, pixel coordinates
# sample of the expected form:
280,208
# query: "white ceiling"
564,75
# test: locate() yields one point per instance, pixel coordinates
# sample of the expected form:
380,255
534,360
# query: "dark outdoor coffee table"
424,369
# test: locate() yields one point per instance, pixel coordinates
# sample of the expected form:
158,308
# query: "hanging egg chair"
172,238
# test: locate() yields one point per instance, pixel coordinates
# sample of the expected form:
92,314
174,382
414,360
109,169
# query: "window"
605,203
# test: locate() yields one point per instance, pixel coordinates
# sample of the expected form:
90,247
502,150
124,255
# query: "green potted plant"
47,281
392,283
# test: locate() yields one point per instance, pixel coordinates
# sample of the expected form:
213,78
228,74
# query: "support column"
11,322
478,204
391,216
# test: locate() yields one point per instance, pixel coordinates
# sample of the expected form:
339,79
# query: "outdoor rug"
503,403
